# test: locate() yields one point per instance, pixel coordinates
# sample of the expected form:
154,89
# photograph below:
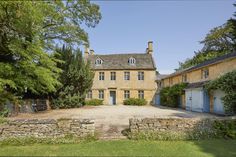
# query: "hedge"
135,101
94,102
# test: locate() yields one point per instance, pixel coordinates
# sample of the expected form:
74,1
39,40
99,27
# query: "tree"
29,33
76,78
219,41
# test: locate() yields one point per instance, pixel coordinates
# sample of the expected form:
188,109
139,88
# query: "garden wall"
43,128
169,124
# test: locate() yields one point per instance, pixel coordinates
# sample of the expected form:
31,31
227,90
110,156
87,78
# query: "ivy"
170,95
226,83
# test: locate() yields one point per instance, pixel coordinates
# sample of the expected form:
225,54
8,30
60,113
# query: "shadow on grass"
218,147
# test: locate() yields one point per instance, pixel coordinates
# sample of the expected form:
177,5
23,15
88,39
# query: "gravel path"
111,120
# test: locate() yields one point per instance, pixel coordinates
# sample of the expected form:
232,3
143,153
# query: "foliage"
68,139
76,79
170,95
4,112
219,41
226,83
135,101
3,120
29,33
94,102
226,128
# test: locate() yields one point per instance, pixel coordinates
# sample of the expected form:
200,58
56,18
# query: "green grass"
204,148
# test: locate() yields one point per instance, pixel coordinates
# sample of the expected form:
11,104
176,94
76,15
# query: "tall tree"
219,41
29,32
76,78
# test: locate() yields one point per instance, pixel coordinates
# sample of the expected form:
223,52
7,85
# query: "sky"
175,27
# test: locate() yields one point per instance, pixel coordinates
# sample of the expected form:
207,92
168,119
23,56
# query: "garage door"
218,106
197,100
194,100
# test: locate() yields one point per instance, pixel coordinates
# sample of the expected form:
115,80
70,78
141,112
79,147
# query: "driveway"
111,120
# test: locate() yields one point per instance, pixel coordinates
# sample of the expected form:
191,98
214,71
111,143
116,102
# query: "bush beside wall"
135,102
170,95
94,102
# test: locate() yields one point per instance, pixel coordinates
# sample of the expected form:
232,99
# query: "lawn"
204,148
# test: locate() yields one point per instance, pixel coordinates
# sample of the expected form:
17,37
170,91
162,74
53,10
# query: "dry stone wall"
170,124
43,128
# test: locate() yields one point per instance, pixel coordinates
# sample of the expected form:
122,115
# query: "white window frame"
113,76
101,76
205,73
126,94
101,94
126,75
98,61
90,94
141,75
132,61
141,94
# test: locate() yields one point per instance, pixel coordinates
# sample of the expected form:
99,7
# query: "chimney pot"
150,47
92,52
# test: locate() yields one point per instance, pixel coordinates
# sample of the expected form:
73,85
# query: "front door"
112,97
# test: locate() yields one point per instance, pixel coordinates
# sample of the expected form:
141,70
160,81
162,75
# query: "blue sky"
175,27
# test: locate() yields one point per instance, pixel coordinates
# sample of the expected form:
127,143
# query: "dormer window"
132,61
98,61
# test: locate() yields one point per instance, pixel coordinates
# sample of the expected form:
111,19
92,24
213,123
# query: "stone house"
122,76
195,97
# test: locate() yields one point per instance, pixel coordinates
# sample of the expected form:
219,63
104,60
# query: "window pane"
140,75
113,75
126,94
101,75
101,94
127,75
141,94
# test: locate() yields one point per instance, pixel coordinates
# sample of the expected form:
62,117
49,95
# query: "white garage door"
218,105
194,100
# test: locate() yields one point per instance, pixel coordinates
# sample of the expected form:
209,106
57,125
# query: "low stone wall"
169,124
43,128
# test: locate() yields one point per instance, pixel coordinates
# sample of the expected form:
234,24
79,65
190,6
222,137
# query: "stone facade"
43,128
169,124
119,64
215,70
133,85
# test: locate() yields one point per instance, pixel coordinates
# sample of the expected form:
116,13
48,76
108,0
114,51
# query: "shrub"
68,139
94,102
135,101
170,95
226,129
226,83
4,112
68,101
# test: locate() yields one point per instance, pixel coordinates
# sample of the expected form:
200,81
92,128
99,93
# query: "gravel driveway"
111,120
119,114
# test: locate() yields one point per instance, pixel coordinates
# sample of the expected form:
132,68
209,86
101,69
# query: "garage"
197,99
218,105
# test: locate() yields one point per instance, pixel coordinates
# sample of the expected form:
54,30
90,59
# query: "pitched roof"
214,60
196,84
120,61
206,63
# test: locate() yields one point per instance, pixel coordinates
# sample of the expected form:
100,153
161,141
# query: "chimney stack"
86,51
91,52
149,50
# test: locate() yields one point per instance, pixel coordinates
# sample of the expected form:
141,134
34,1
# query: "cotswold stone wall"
170,124
47,128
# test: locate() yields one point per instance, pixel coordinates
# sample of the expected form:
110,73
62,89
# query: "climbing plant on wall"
226,83
170,95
